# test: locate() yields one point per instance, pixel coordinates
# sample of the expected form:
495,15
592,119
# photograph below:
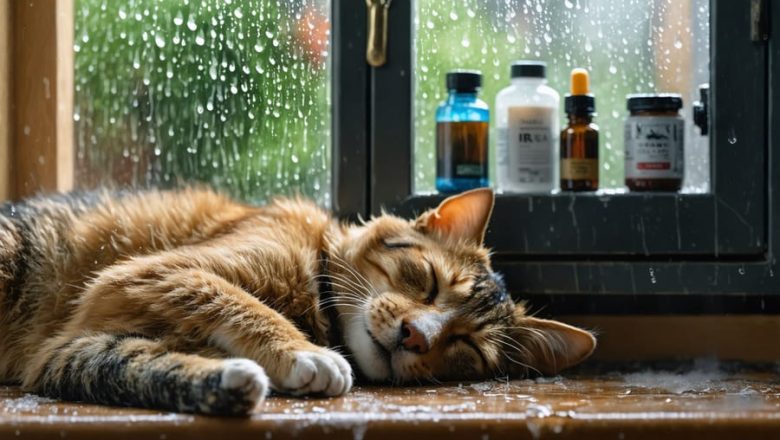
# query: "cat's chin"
372,359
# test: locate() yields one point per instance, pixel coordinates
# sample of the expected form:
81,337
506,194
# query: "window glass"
231,93
629,46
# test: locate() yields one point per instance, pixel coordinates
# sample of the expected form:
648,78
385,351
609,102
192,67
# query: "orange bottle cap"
580,83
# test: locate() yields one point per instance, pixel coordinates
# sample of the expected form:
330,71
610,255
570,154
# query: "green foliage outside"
230,93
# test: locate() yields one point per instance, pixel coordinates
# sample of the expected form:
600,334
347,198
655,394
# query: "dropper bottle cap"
580,101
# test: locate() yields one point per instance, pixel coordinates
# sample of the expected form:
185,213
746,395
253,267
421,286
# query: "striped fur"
188,301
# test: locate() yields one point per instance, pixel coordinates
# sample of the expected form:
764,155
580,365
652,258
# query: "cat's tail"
135,371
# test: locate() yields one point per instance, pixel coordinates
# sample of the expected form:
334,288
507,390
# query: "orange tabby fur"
190,301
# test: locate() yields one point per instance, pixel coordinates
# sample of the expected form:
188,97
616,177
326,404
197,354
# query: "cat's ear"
461,217
549,346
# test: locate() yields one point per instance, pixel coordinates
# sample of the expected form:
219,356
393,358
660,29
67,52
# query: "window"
231,93
366,132
628,46
705,249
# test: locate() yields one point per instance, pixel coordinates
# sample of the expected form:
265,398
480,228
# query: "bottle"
654,142
580,138
462,135
527,130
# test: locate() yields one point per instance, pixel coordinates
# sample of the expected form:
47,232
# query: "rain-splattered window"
231,93
629,46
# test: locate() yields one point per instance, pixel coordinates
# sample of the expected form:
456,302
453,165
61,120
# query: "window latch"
701,110
376,49
759,20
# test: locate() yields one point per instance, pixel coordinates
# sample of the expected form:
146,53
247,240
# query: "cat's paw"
244,380
318,372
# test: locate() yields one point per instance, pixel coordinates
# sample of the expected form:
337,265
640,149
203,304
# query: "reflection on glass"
629,46
231,93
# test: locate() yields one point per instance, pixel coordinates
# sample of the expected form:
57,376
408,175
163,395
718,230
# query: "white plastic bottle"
527,131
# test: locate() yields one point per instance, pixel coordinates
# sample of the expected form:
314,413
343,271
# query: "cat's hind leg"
133,371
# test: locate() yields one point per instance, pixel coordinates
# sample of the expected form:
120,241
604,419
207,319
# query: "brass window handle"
376,47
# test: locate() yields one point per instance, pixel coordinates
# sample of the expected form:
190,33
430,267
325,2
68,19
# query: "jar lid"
464,80
528,69
654,102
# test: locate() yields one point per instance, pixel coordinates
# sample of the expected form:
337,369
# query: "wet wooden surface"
642,405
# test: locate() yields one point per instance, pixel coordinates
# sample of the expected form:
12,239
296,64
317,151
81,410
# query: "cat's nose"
412,338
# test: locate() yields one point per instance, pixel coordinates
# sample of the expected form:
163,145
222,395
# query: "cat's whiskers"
341,262
345,292
338,277
506,341
334,302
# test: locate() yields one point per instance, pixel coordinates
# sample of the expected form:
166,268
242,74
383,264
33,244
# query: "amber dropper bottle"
580,138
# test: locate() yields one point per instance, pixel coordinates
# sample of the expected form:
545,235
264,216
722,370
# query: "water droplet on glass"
191,25
159,41
178,20
732,136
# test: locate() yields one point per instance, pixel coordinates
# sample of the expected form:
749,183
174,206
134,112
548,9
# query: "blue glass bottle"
462,135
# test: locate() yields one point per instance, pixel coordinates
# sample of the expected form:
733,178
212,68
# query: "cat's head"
419,300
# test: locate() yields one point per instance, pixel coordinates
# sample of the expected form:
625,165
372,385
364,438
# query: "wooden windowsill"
709,404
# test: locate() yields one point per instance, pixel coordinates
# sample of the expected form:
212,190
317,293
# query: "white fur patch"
315,372
370,359
245,376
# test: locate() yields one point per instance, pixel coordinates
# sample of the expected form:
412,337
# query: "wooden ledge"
635,406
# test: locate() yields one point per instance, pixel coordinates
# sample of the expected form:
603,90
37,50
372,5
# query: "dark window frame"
630,253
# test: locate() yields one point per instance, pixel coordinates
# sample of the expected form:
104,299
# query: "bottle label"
525,148
579,169
654,147
462,150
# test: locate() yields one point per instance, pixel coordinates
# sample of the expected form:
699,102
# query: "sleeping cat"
188,301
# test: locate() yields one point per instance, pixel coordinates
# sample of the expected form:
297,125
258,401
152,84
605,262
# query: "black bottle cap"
579,104
654,102
528,69
464,80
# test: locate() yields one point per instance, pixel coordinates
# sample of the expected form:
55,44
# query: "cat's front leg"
204,306
315,370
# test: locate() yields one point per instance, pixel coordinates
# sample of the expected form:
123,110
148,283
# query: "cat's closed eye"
434,292
397,244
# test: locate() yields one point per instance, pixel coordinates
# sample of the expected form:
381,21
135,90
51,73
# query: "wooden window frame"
36,97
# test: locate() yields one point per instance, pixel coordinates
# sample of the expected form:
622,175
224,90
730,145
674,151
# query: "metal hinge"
759,20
